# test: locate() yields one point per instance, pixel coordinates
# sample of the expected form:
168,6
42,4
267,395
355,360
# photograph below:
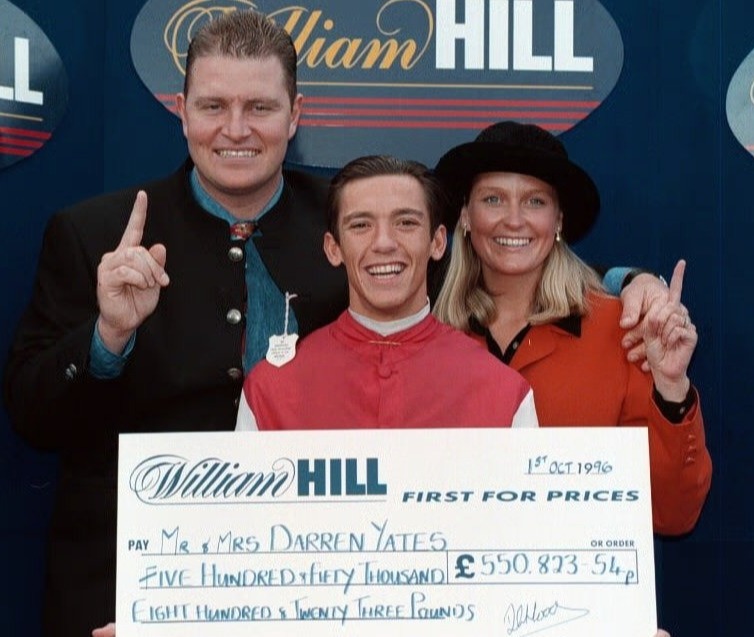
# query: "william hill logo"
172,479
33,86
411,77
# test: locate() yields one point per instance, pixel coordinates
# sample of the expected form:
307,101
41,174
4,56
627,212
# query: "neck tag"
282,348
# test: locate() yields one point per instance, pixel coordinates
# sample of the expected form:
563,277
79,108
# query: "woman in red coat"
514,283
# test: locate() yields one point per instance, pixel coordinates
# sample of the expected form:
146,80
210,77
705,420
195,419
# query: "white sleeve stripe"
526,414
245,421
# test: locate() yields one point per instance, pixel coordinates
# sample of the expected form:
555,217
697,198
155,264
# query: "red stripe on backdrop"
400,112
168,100
452,102
5,150
14,141
370,123
25,132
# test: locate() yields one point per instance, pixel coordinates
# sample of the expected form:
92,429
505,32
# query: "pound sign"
463,568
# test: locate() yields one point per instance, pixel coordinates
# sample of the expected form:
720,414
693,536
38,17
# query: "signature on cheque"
533,617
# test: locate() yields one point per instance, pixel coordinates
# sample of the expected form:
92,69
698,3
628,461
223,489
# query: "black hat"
529,150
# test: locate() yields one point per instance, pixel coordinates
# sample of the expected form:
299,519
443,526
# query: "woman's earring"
465,230
558,236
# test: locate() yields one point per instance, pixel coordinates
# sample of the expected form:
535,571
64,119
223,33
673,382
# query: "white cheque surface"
457,532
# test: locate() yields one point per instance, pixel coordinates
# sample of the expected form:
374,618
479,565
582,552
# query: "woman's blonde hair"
563,289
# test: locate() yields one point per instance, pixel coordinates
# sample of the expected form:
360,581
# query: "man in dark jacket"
151,303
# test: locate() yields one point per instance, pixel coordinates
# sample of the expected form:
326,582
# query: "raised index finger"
135,228
676,282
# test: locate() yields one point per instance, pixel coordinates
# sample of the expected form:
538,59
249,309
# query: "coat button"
71,372
234,316
235,254
235,374
384,371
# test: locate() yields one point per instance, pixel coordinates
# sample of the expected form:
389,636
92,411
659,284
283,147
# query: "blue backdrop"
674,184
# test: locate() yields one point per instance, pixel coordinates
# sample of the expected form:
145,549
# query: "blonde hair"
563,289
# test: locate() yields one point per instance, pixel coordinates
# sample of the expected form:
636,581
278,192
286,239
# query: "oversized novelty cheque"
444,532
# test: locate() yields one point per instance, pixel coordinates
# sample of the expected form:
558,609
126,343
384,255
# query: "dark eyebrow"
202,99
410,211
267,101
400,212
356,214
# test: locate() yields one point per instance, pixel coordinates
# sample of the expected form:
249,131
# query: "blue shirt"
265,302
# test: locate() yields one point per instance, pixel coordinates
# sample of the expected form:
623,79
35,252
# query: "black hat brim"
577,193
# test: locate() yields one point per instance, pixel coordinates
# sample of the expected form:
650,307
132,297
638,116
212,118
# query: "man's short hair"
244,34
384,165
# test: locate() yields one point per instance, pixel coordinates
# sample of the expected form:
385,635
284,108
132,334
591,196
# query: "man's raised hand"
129,281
